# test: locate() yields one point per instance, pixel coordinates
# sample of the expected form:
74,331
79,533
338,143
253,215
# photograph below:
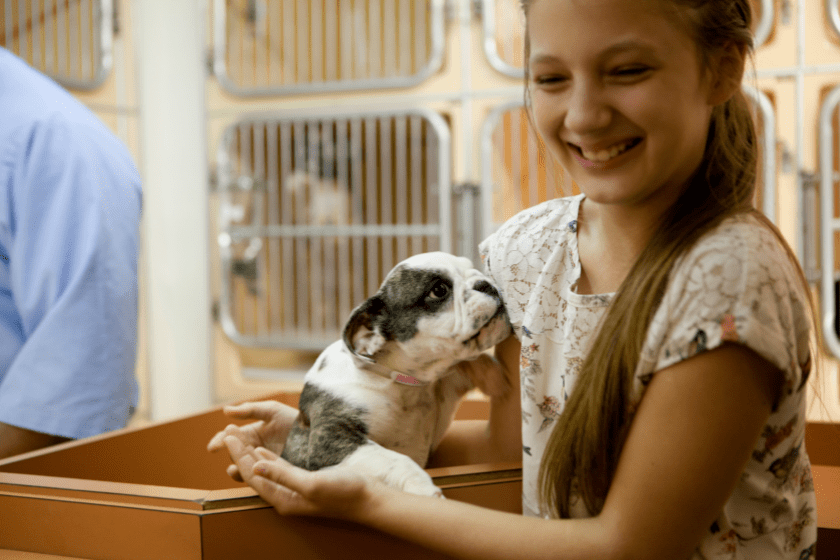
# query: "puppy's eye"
438,291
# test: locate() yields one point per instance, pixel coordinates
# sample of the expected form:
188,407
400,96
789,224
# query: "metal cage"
833,14
69,40
829,148
765,118
504,44
316,208
271,47
516,170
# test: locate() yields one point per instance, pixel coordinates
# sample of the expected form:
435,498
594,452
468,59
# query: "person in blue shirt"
70,204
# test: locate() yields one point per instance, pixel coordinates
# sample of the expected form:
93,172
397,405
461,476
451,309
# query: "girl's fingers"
267,454
243,455
217,443
247,433
278,470
301,483
284,500
233,472
263,410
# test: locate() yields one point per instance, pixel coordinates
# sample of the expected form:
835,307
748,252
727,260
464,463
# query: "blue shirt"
70,204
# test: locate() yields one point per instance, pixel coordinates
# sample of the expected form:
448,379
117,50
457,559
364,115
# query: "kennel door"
829,150
282,47
315,210
516,170
69,40
503,28
764,116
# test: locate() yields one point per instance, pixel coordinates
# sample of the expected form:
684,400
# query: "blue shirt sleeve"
69,220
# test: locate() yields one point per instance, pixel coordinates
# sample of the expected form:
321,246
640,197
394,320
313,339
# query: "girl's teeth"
606,155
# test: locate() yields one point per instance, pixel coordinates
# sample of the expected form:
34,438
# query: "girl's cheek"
548,112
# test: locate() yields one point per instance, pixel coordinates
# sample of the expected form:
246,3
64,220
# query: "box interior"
173,454
169,454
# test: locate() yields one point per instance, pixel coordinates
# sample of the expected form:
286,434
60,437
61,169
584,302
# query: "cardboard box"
155,493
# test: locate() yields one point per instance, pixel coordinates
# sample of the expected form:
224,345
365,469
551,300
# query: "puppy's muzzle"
485,287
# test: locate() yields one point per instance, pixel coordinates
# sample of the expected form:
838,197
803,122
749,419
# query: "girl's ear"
726,72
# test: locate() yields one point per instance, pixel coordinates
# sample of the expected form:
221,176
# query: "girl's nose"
586,110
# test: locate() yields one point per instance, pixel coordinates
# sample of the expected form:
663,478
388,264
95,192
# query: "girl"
661,325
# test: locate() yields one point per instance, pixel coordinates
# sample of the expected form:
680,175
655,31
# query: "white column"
171,97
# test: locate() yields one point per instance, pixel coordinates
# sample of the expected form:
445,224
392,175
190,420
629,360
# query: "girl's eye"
630,71
438,291
548,80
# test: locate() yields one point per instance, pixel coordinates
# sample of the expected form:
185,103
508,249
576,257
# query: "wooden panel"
827,488
249,534
107,513
156,456
96,531
7,554
822,441
506,496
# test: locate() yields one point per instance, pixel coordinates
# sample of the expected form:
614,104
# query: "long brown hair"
586,442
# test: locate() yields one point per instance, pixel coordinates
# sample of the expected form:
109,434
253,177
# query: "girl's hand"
331,492
274,421
487,374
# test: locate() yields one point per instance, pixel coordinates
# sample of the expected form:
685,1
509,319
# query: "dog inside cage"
335,203
314,179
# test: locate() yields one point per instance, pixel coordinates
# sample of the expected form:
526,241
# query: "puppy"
326,202
380,399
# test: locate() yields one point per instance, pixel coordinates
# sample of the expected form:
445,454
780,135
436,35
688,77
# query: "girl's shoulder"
541,220
745,243
739,283
531,258
534,234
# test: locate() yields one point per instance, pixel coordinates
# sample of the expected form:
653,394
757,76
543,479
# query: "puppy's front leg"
393,468
486,373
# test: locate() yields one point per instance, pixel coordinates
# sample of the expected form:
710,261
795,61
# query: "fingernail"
260,470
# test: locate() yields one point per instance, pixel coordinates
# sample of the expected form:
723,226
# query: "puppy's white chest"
405,419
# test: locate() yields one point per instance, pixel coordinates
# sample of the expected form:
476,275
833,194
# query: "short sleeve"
738,284
71,234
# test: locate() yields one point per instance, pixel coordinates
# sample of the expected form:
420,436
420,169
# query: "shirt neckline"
580,300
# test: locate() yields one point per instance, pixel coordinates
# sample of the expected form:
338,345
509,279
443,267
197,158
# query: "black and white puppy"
380,399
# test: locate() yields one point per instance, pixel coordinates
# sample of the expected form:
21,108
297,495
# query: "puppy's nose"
485,287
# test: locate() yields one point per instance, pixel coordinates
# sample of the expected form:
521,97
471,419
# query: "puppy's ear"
361,336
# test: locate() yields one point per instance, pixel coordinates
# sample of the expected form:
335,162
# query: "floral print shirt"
736,284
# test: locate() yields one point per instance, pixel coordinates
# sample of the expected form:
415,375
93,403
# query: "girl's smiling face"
619,96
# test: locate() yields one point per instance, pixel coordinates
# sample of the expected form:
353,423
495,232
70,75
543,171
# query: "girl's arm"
689,442
471,442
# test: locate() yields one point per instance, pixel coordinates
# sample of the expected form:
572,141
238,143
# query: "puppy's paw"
487,374
422,487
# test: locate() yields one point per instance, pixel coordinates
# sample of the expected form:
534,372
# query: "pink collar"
406,379
395,376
